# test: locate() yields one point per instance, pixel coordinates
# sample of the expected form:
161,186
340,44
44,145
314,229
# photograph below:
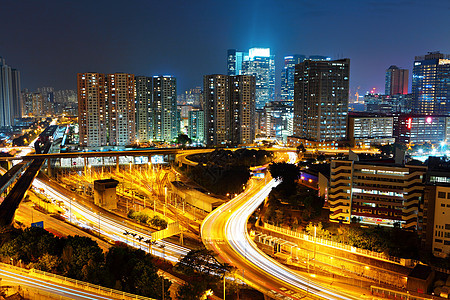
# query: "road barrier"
320,241
86,286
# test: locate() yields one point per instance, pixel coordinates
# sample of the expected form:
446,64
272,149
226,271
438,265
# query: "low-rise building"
420,129
105,193
375,193
367,129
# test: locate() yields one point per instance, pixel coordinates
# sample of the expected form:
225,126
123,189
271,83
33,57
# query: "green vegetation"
240,157
290,203
223,171
390,241
122,268
183,139
155,221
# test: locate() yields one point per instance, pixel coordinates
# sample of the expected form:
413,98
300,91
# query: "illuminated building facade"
106,110
261,64
144,120
419,129
92,110
121,95
365,129
287,76
196,127
234,62
388,104
242,109
229,109
278,120
431,84
321,100
436,224
396,81
375,193
166,119
10,95
216,98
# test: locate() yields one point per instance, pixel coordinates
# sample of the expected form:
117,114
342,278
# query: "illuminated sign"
408,124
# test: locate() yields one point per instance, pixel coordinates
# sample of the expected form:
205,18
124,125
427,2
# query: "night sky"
50,41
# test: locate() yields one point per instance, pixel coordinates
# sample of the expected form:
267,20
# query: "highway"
26,214
225,232
10,277
58,288
109,226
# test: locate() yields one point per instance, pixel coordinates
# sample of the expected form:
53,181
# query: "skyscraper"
106,111
234,61
121,95
261,64
196,126
242,109
287,76
166,125
144,120
321,99
92,110
10,103
216,108
431,84
229,109
396,81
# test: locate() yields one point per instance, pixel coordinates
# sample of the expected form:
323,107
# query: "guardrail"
86,286
338,245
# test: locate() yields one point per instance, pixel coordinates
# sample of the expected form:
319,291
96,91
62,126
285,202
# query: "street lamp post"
70,209
165,201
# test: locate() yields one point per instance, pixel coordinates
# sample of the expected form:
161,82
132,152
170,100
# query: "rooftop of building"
420,272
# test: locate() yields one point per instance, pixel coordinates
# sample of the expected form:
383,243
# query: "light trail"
15,277
110,227
225,231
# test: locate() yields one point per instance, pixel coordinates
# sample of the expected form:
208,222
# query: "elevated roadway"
225,232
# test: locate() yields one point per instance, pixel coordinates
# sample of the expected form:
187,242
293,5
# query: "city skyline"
70,37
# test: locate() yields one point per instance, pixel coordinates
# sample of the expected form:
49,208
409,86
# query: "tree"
183,139
301,149
133,270
84,258
192,290
287,172
201,262
31,244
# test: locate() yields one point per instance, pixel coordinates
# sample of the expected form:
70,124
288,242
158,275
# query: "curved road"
225,232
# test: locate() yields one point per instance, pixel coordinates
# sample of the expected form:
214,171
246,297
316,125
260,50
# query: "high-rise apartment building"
431,84
278,120
321,99
10,96
396,81
229,109
92,109
144,120
121,95
242,109
196,126
166,125
287,76
216,108
106,110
